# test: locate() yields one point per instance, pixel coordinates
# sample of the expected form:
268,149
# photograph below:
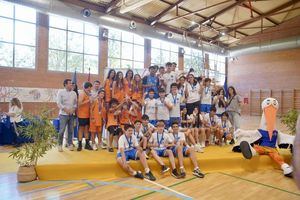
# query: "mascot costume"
266,139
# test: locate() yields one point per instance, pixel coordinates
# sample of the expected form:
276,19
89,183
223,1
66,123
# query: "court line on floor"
175,184
270,186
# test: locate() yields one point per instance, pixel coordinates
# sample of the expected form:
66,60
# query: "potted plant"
42,134
290,120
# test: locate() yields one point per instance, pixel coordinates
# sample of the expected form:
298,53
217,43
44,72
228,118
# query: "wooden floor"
263,184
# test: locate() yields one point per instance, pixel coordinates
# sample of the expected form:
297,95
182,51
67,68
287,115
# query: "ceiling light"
223,33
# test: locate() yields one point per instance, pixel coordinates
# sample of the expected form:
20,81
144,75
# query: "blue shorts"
205,108
130,155
173,119
184,150
153,122
182,106
167,124
161,152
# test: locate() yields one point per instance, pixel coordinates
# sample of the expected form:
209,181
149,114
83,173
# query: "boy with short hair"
162,107
169,77
181,149
150,107
160,144
128,149
142,140
175,98
211,127
206,98
147,127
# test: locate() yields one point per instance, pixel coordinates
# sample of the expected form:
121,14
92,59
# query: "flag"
74,78
89,76
225,86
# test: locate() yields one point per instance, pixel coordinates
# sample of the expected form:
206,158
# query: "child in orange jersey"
119,87
112,125
125,115
108,85
128,82
135,111
137,87
84,101
97,117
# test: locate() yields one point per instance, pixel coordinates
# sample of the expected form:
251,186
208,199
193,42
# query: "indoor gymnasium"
150,99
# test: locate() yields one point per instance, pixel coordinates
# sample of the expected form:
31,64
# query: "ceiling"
221,22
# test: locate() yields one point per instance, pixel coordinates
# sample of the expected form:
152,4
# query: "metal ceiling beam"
164,12
264,15
259,13
191,28
111,6
85,4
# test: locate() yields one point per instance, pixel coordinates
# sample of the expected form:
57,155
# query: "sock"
196,168
134,173
147,170
181,167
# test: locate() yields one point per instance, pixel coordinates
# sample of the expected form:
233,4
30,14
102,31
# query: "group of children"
161,115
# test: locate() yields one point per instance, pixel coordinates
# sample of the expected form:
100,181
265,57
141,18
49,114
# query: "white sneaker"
287,170
71,147
198,148
60,149
95,147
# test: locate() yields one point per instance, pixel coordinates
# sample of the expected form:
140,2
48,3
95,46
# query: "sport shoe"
150,176
198,173
164,169
60,149
71,147
175,174
88,146
95,147
110,149
246,149
232,141
139,175
79,148
182,173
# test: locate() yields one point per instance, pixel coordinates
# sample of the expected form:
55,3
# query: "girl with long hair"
119,87
128,82
108,84
137,88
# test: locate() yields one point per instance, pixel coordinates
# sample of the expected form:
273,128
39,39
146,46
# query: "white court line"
167,188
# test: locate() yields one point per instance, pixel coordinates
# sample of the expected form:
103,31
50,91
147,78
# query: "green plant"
43,135
290,120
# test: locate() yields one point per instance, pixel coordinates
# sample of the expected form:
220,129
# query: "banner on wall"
28,94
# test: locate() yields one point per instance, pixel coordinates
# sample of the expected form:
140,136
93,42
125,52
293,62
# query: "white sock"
196,168
147,170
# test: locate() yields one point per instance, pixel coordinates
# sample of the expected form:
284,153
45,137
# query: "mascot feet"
287,170
246,149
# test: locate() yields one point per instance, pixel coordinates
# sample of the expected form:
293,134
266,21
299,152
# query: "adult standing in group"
193,93
108,85
151,81
128,82
67,104
234,107
169,77
96,89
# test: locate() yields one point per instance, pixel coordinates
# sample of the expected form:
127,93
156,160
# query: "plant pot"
26,174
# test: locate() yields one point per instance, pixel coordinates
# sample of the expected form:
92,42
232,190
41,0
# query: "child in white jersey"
211,127
150,107
142,140
175,98
163,107
226,129
206,99
128,149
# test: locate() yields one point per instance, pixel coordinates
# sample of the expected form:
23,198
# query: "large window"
217,67
17,36
73,45
193,58
125,50
163,52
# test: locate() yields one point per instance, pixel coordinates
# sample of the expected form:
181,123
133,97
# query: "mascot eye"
274,102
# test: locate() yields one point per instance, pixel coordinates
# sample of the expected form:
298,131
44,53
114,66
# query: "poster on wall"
28,94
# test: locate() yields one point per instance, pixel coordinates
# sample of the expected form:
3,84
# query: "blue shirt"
265,140
153,80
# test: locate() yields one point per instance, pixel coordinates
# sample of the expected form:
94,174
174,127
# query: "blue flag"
225,86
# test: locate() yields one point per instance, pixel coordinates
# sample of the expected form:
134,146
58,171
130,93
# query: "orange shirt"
97,113
108,89
125,117
128,87
119,93
112,120
137,94
83,109
137,117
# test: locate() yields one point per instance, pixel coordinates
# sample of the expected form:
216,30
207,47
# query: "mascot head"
270,107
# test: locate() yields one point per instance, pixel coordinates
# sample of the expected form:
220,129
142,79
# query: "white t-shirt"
206,96
163,112
220,110
177,137
211,120
225,125
193,93
169,78
127,143
150,105
175,100
160,139
138,134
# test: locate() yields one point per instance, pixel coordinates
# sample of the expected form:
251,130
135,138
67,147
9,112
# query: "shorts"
205,108
84,121
184,151
167,124
153,122
161,152
95,129
115,130
173,119
129,155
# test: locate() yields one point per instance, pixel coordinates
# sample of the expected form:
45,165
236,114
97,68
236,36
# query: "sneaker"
88,146
110,149
232,142
198,173
95,148
146,156
182,173
71,147
150,176
246,149
60,149
206,143
164,169
103,146
175,174
79,148
139,175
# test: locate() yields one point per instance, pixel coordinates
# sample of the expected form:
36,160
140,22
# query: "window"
217,67
193,58
73,45
17,36
125,50
163,52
